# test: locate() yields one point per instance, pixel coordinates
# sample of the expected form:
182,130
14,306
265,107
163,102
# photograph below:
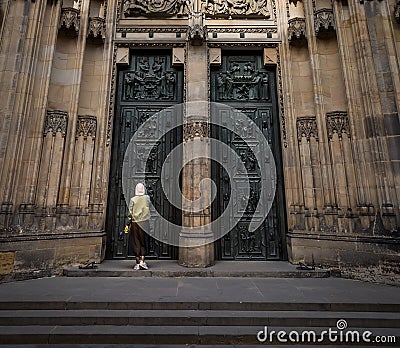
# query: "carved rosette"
86,127
337,122
196,129
55,121
97,28
154,8
235,8
297,29
397,11
307,127
324,21
70,19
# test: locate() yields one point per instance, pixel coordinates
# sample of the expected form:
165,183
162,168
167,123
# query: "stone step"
189,304
197,317
160,335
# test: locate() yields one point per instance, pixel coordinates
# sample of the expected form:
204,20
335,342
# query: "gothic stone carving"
195,129
97,28
337,122
86,126
397,11
196,33
150,80
242,82
307,127
156,7
70,19
235,8
324,21
55,121
297,30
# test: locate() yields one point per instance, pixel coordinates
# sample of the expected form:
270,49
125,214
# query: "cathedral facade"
318,80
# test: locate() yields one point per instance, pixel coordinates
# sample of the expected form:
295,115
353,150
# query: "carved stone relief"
235,8
397,11
86,126
242,82
297,30
97,28
55,121
150,80
192,130
324,21
156,7
70,19
197,32
307,127
337,122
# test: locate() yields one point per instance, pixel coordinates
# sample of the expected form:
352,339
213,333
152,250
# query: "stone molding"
337,122
97,28
86,126
55,121
70,19
297,29
307,127
324,21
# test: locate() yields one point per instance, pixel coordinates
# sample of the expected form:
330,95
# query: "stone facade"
338,96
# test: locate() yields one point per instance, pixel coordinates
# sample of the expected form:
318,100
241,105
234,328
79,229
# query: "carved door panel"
148,85
244,84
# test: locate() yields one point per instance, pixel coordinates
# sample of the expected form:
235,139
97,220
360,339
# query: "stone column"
196,245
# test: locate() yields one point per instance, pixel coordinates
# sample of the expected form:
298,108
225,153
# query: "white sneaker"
143,265
136,267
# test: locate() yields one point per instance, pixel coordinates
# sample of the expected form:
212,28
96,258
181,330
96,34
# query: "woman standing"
139,213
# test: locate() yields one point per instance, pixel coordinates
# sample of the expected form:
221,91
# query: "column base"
196,257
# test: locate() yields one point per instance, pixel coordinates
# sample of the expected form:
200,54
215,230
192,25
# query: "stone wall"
338,90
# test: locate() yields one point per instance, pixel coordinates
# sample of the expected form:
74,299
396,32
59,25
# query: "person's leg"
135,230
144,226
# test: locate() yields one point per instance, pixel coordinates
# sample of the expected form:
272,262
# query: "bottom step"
201,335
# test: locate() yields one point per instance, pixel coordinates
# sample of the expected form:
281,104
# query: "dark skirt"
139,239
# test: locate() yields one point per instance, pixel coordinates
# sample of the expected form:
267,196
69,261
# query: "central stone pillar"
196,247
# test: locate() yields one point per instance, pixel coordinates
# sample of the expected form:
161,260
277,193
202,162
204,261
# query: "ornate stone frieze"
235,8
397,11
197,32
195,129
70,19
297,29
324,21
150,80
242,82
97,28
337,122
55,121
307,127
151,8
86,126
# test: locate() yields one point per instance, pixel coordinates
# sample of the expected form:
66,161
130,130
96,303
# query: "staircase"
188,323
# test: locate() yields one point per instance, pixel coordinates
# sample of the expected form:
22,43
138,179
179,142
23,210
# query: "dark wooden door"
243,83
148,85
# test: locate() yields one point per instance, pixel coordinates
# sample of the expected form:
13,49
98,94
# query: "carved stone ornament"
97,28
307,127
235,8
86,126
397,11
55,121
337,122
242,82
196,33
150,80
324,21
195,129
297,29
151,8
70,19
